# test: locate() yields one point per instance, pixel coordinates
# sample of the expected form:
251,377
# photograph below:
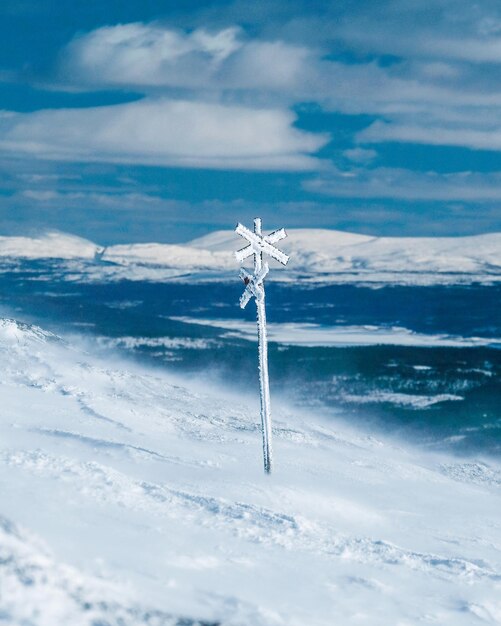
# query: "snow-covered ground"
131,497
316,255
308,334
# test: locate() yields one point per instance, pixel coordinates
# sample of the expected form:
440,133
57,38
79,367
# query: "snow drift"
129,496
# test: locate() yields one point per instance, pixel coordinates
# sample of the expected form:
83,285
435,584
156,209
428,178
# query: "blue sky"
140,121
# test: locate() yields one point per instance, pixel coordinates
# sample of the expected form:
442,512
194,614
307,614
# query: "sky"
139,120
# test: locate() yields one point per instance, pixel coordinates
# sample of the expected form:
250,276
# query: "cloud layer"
396,183
150,55
165,132
217,88
435,91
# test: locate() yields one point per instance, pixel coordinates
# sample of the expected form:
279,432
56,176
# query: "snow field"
130,494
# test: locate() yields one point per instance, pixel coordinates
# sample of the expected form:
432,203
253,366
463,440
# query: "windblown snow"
131,497
316,255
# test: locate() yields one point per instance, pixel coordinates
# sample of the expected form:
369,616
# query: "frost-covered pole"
264,381
255,287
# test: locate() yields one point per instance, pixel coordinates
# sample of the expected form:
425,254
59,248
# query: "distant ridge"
316,255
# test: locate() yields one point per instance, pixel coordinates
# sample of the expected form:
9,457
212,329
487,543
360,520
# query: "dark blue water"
440,397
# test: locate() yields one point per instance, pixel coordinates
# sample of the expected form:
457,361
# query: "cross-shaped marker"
254,286
259,244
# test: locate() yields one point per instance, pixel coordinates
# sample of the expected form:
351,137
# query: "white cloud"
165,132
370,88
41,195
140,54
479,139
84,198
407,185
445,29
150,55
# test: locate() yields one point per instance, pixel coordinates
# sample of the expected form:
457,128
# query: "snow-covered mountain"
129,496
318,255
51,245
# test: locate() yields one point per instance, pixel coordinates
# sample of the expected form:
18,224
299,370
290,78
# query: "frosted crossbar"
254,285
258,244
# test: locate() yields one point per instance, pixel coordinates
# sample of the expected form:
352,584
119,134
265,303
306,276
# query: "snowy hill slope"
316,255
328,252
131,497
48,246
35,589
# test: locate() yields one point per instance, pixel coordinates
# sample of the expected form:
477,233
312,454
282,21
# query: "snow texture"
131,497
